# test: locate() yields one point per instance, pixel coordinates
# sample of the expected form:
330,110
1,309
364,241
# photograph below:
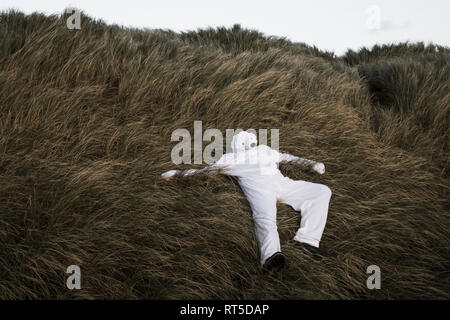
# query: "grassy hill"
86,118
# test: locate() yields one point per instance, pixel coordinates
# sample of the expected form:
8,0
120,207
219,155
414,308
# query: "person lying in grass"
256,168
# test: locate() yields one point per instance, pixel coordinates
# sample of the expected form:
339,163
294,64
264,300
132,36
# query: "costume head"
243,141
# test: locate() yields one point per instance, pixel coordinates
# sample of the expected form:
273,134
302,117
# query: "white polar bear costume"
256,168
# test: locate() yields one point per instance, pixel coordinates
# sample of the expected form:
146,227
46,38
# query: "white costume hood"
243,141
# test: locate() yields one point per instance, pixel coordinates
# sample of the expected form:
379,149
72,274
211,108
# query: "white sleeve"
286,157
222,162
290,158
280,156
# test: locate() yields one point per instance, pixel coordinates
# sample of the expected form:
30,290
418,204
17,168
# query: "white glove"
319,168
169,174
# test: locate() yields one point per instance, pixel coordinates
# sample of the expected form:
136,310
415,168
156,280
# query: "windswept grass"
85,123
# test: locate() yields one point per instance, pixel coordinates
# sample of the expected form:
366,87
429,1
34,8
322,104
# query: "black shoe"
274,264
316,253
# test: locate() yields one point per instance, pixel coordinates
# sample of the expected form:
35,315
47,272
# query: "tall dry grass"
85,123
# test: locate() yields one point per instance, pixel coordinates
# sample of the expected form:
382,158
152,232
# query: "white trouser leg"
264,209
312,199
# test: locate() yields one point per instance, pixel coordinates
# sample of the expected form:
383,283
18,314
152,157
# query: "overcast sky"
327,24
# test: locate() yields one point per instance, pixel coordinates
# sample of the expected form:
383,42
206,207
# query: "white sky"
327,24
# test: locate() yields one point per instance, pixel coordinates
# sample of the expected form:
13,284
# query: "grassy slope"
85,124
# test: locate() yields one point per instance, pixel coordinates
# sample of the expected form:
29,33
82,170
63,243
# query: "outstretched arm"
169,174
222,164
318,167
